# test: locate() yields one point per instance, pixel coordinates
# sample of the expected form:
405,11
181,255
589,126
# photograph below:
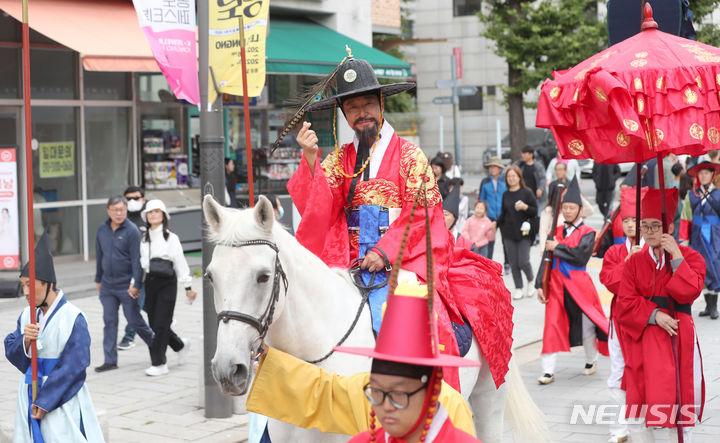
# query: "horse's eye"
208,275
263,278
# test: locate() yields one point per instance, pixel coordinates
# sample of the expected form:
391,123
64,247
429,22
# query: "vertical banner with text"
9,221
169,26
225,45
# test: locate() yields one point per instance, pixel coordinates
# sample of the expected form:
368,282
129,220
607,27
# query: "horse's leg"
281,432
486,401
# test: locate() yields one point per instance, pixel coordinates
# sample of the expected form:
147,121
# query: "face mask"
281,212
134,206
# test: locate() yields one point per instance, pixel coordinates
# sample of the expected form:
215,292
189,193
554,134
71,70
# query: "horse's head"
248,284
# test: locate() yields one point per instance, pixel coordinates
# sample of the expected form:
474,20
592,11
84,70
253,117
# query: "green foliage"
538,37
707,32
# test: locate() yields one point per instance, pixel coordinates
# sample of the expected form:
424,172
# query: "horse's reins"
262,324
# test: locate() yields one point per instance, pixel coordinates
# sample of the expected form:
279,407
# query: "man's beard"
367,136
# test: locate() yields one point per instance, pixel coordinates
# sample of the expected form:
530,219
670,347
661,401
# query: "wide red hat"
651,204
628,198
715,167
407,334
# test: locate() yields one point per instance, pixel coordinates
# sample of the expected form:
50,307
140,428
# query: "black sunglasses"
133,198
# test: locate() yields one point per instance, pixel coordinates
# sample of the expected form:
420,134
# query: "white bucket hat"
154,204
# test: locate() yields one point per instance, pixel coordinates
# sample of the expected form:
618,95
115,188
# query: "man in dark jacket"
136,203
605,177
118,277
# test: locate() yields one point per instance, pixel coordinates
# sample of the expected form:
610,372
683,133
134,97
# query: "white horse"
310,315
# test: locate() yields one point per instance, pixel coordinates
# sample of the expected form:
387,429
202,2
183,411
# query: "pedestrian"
554,192
451,205
163,261
605,177
438,168
519,208
478,229
533,173
62,411
573,312
230,183
118,277
611,276
700,228
404,391
572,168
492,189
661,341
462,206
356,203
136,203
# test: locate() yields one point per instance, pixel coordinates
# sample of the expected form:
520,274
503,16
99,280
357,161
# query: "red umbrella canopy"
651,93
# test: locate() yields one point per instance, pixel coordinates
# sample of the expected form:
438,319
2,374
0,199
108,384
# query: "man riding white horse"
356,203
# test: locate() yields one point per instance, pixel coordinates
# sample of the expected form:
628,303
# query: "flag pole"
246,111
29,181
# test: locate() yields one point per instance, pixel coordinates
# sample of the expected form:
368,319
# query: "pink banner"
169,26
9,219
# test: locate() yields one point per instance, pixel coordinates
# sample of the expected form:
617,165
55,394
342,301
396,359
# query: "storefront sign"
9,220
225,45
57,159
169,26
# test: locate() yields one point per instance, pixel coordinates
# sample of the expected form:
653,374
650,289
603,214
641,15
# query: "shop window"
466,7
97,215
9,29
10,73
106,85
154,88
53,74
164,151
56,154
108,155
64,228
472,102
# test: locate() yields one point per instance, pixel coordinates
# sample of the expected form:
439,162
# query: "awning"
301,46
106,33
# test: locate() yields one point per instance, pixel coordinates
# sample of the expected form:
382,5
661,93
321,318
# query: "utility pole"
212,177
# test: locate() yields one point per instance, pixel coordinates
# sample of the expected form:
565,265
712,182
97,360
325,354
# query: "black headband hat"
386,367
44,267
572,194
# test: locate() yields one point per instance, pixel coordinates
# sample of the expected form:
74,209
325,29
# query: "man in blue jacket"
118,277
492,189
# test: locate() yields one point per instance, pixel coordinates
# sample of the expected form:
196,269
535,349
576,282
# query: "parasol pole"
29,182
246,111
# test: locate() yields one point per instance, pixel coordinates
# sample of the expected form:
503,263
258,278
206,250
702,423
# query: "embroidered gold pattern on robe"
412,165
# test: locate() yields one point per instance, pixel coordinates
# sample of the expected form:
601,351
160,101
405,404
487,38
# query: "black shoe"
105,367
705,312
712,306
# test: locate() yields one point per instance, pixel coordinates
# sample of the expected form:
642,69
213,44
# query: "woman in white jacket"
162,258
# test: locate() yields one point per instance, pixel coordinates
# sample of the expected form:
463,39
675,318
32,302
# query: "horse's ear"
213,212
264,213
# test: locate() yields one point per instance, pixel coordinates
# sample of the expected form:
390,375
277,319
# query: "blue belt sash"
566,267
705,223
44,367
619,240
369,221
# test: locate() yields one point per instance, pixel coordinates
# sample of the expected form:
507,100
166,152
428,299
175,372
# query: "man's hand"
668,244
38,412
31,331
372,262
308,141
191,295
538,193
133,292
666,322
98,286
633,250
550,245
541,296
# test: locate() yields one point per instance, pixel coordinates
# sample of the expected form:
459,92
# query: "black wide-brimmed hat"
357,77
572,194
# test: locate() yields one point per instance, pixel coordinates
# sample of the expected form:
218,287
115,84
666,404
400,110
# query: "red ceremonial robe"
575,252
650,364
447,433
611,276
321,198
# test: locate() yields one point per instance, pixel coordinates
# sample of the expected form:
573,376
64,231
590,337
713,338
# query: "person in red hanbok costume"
573,313
649,287
611,276
379,174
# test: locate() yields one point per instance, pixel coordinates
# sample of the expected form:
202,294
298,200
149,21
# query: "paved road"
169,409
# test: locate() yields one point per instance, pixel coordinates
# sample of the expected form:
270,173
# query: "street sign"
446,83
443,100
467,90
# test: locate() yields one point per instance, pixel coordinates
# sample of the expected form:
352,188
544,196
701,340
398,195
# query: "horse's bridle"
261,324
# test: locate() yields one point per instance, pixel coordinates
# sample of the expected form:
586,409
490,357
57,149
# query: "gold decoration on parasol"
555,93
631,125
622,138
690,97
713,134
660,83
638,83
641,54
638,63
696,131
640,104
576,146
698,80
600,94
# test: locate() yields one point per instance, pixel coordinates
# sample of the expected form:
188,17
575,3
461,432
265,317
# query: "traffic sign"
443,100
467,90
446,83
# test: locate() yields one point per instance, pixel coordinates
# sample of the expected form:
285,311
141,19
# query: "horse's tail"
521,410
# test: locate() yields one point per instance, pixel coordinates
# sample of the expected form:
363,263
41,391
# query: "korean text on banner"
225,45
169,26
57,159
9,221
